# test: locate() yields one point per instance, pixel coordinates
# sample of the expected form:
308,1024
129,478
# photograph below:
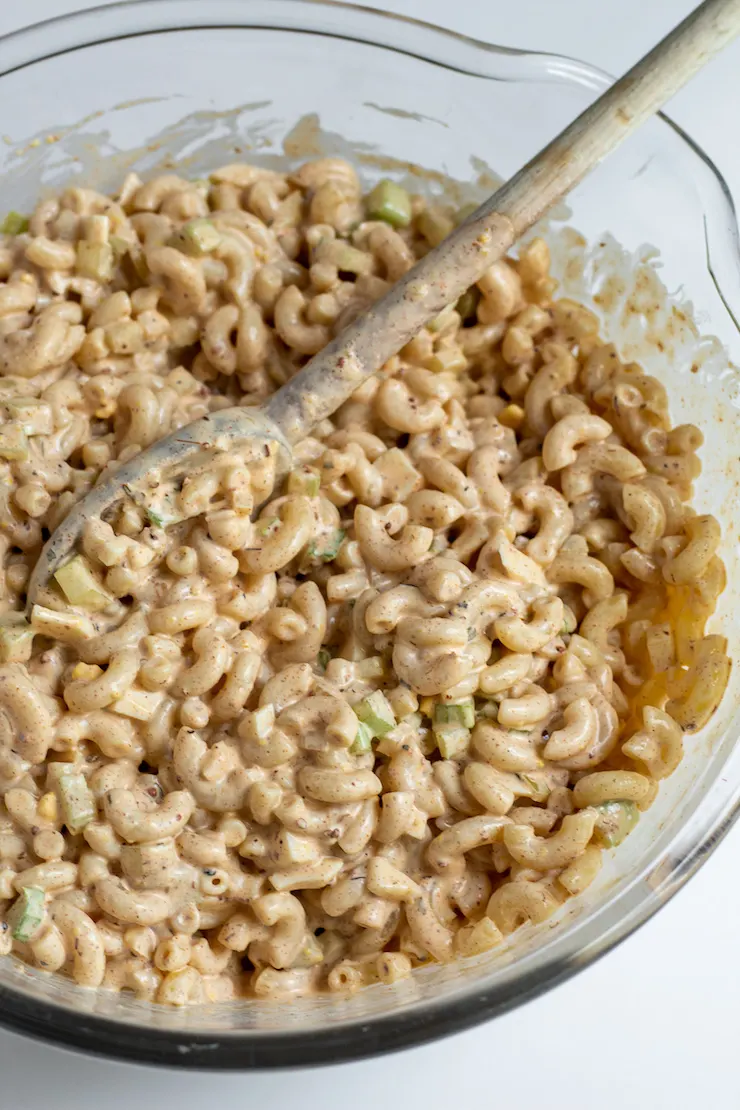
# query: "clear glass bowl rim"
145,1044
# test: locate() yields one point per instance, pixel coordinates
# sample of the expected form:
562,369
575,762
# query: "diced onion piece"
196,238
305,481
27,913
13,443
405,732
263,721
78,803
375,712
370,668
310,954
615,822
15,224
451,360
95,260
120,246
141,705
297,849
390,202
445,317
80,585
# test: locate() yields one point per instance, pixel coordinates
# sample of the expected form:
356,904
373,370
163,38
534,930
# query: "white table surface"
654,1024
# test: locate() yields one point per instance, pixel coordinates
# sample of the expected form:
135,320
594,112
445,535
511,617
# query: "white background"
655,1023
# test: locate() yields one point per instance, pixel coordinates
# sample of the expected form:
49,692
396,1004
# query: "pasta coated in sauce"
267,736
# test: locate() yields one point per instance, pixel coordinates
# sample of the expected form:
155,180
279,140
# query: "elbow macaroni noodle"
268,744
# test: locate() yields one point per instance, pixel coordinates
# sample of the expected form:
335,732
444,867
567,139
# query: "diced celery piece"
35,417
196,238
375,712
327,548
538,790
449,361
488,711
161,517
569,622
15,224
80,585
140,705
27,913
452,740
440,321
390,202
13,443
95,260
459,713
268,526
616,821
349,259
16,638
363,741
305,481
154,518
324,658
468,303
78,803
263,721
468,712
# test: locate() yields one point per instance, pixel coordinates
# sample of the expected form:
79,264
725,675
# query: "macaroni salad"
270,735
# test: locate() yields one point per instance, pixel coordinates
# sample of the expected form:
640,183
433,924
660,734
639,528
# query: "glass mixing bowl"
199,82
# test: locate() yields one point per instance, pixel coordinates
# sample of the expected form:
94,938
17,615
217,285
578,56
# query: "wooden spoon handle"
458,262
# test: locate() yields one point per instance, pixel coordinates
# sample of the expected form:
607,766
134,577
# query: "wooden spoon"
436,281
